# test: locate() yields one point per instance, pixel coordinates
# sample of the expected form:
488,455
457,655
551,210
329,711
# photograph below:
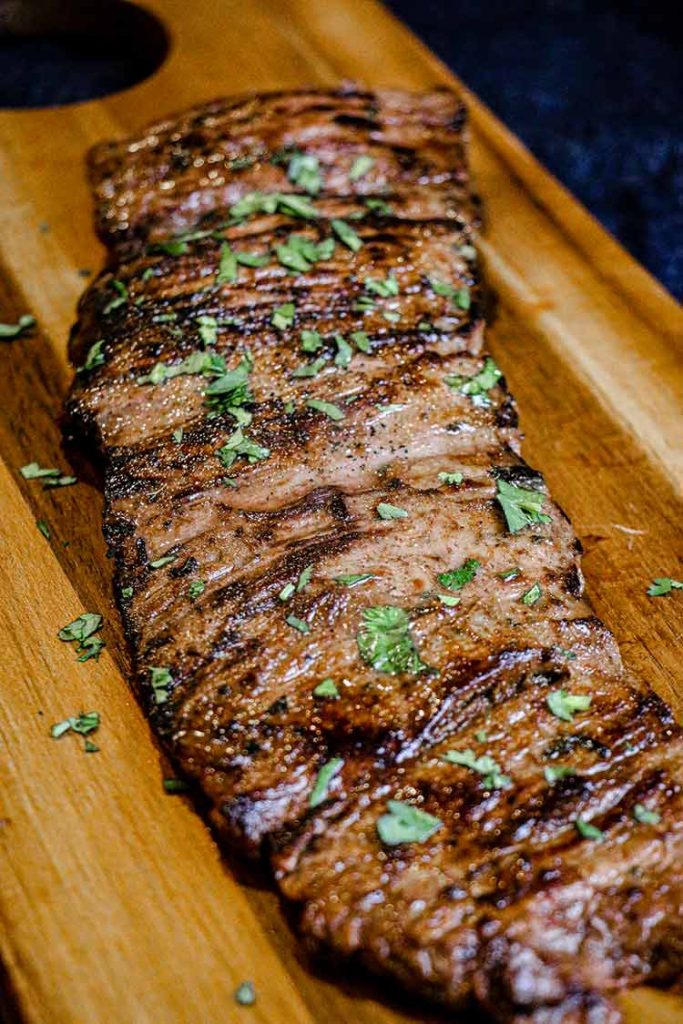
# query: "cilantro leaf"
387,511
384,641
346,234
360,166
644,816
161,681
588,831
458,296
553,773
311,369
385,288
245,994
94,357
327,688
564,704
532,595
298,624
328,408
663,585
120,299
323,780
478,386
485,766
352,579
451,478
23,324
239,445
283,316
304,171
404,823
196,589
520,506
311,341
81,632
457,578
273,202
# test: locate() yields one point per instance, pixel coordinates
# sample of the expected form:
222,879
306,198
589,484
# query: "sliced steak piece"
350,601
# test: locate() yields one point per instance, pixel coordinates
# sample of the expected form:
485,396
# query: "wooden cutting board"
115,904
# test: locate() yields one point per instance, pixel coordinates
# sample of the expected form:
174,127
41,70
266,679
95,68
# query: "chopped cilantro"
208,329
311,341
304,578
176,247
283,316
81,632
457,578
23,324
564,704
378,206
178,434
231,392
311,369
486,766
126,592
287,592
663,585
304,171
323,780
391,316
344,351
353,579
175,786
273,202
328,408
227,266
196,589
360,166
44,528
451,478
384,288
509,574
120,298
478,386
361,341
299,624
239,445
449,600
553,773
327,688
82,724
387,511
245,994
384,640
299,253
533,594
161,681
207,363
458,296
404,823
94,357
346,234
588,831
159,563
520,506
645,816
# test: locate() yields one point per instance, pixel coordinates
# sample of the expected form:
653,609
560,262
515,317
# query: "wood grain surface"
115,904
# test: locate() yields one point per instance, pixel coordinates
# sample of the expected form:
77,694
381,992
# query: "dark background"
593,87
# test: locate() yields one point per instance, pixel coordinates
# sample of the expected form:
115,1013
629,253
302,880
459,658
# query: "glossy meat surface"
348,597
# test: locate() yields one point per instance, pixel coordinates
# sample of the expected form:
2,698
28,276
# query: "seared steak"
357,617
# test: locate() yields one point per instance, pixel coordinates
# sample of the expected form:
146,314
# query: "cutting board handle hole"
55,52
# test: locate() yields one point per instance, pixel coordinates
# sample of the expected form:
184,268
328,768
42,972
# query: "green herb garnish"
486,766
82,724
176,786
245,994
353,579
94,358
196,589
449,600
23,324
44,529
346,234
120,298
663,585
328,408
311,341
521,506
387,511
564,704
404,823
532,595
304,171
283,316
553,773
588,831
644,816
458,296
81,632
384,641
360,166
327,688
298,624
239,445
457,578
50,477
478,386
451,478
383,287
159,563
378,206
161,681
311,369
299,253
323,780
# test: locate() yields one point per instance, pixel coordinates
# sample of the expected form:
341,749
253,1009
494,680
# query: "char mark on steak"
357,616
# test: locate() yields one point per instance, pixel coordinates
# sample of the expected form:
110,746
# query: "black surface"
594,90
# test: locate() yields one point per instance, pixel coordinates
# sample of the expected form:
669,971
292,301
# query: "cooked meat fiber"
357,616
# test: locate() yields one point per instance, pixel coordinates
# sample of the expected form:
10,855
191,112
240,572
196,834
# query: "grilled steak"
357,616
